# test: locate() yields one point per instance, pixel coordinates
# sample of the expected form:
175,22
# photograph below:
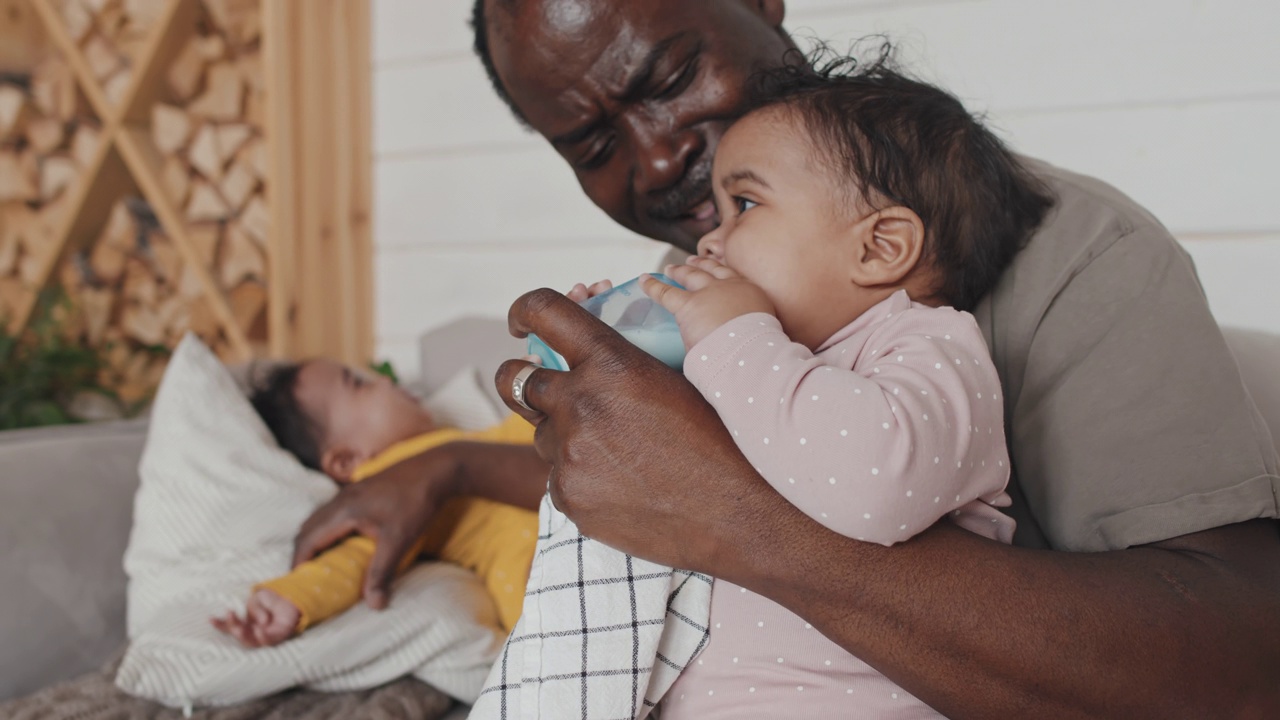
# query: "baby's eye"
744,204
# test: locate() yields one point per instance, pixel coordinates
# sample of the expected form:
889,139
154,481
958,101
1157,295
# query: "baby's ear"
340,463
891,244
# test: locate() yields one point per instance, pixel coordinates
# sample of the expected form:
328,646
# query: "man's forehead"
546,50
570,16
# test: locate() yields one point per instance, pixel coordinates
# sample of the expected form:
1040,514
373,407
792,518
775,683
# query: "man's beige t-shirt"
1127,420
1126,416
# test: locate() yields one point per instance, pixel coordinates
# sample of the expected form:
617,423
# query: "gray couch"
66,499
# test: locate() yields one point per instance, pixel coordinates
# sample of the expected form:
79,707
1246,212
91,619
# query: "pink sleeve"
879,436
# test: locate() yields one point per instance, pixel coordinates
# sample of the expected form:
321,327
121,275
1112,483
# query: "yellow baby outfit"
493,540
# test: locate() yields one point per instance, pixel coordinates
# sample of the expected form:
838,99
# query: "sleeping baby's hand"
268,620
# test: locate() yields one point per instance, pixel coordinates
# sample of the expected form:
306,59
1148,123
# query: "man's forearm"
511,474
980,629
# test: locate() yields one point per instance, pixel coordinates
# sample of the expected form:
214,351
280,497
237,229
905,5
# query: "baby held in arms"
862,213
350,426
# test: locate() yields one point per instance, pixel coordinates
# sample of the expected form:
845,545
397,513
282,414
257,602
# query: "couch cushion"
65,512
472,341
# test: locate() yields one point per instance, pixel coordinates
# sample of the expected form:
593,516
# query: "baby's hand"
713,296
268,620
582,292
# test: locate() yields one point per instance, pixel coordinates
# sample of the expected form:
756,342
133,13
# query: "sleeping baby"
350,426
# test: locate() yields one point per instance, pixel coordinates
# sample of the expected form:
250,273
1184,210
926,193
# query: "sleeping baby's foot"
268,620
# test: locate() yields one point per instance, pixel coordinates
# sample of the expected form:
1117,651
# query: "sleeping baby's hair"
898,141
276,400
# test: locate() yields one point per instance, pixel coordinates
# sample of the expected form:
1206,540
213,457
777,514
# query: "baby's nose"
711,245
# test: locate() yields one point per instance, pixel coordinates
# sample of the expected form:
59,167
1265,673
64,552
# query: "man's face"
636,95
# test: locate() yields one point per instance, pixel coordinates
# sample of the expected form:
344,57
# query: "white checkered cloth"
603,635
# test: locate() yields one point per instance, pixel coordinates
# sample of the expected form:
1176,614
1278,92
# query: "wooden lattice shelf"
153,167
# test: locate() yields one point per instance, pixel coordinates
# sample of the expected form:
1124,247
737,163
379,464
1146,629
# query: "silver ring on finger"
519,383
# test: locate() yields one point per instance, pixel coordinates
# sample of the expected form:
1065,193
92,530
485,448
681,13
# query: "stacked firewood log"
111,34
214,156
133,293
48,139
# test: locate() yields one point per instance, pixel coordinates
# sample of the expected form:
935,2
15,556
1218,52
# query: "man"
1131,435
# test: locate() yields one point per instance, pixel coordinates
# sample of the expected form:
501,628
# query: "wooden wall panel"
318,68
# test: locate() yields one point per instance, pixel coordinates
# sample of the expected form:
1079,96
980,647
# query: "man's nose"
662,158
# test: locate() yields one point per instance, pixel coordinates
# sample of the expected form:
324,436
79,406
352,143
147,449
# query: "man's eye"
744,204
598,155
678,82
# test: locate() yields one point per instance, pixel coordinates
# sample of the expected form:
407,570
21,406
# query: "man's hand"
639,459
268,620
713,295
393,508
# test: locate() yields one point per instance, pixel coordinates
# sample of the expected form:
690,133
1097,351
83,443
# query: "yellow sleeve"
494,541
514,429
330,584
327,585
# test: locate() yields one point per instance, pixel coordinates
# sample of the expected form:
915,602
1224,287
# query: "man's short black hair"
276,400
900,141
480,27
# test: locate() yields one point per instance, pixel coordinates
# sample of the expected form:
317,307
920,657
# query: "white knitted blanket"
216,512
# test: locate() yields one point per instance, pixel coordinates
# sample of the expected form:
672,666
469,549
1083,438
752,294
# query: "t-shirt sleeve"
1130,423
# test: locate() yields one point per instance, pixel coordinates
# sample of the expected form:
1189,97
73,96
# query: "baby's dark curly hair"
899,141
276,400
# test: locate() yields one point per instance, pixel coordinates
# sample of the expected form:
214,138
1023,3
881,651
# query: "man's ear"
340,463
890,244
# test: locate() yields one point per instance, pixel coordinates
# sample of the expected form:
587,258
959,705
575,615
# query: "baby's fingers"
689,276
669,297
581,292
713,267
232,625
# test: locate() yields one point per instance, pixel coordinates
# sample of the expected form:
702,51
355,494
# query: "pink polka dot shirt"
895,422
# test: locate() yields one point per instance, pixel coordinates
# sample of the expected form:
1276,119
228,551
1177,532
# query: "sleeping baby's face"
359,414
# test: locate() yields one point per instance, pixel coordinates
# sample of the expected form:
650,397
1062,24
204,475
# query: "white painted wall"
1175,101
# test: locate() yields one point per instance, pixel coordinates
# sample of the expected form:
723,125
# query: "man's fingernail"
534,359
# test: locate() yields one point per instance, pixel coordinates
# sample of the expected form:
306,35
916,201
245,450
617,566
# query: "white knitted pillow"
463,403
215,513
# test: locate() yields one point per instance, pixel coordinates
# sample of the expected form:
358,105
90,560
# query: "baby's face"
359,411
786,226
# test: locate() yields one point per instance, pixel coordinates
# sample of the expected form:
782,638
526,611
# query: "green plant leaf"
384,368
44,412
42,369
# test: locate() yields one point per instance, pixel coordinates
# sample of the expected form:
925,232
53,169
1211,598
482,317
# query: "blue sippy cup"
629,311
